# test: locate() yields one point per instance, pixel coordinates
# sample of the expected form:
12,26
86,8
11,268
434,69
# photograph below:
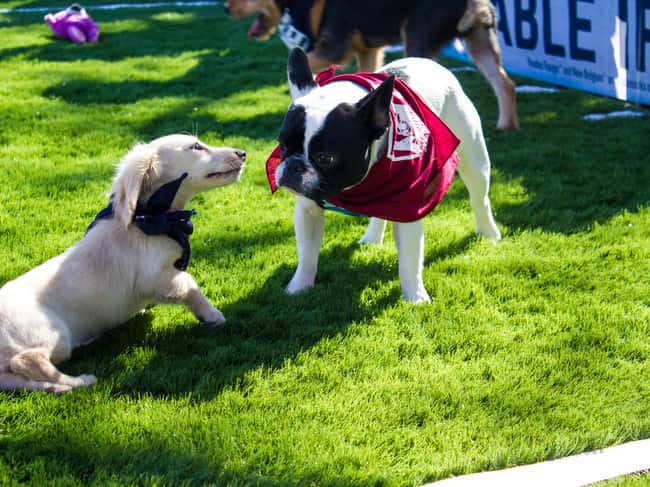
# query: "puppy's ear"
373,108
135,174
301,81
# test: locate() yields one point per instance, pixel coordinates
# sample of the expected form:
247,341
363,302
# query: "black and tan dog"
334,31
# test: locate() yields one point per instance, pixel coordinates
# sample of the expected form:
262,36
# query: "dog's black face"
326,135
335,157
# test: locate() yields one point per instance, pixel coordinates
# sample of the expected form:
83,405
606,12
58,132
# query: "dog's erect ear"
373,108
135,174
301,81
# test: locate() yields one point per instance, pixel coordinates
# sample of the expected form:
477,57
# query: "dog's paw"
416,296
298,285
213,317
87,379
81,381
491,233
57,388
371,240
374,234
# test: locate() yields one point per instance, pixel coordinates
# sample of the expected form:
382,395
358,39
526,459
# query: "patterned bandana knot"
156,217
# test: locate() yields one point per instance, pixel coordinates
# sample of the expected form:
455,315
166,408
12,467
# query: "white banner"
600,46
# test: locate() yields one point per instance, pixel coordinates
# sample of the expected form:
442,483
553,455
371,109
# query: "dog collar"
156,217
295,25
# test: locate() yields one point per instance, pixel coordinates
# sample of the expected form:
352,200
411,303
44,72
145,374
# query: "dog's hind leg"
476,176
10,382
375,232
370,60
317,62
483,46
35,365
474,166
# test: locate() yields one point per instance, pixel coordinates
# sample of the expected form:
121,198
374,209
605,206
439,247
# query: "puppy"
340,146
333,31
133,255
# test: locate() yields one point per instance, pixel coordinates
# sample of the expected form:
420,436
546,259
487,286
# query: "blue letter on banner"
525,16
642,33
549,47
577,24
503,21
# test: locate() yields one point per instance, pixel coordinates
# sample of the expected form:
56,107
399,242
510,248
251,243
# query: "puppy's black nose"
241,154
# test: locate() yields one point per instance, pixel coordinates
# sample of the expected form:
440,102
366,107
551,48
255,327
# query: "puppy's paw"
213,317
81,381
56,388
87,379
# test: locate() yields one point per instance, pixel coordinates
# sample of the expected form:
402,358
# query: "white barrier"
574,471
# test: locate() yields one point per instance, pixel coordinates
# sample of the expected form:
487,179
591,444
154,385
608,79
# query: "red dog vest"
411,178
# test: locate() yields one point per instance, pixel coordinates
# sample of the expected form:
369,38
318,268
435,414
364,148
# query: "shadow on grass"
452,249
226,65
146,458
265,329
189,360
202,81
69,180
573,173
259,126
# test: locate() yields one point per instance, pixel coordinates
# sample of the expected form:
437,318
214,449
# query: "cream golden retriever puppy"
131,256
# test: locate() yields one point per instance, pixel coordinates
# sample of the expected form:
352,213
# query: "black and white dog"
335,138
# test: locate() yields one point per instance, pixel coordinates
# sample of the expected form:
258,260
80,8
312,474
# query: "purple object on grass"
73,23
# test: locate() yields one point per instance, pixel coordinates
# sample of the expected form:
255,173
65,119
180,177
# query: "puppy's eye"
324,159
197,146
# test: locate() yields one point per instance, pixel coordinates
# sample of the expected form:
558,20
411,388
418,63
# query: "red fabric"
407,182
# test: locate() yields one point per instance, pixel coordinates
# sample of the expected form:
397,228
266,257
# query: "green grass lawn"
531,349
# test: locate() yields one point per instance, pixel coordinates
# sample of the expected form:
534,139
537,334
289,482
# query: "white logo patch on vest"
409,137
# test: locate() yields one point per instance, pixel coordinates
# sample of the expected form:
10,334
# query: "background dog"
113,272
340,30
332,136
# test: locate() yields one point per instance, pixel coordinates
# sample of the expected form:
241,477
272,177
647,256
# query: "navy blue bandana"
155,217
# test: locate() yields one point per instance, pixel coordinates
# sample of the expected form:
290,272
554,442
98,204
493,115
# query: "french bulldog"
344,140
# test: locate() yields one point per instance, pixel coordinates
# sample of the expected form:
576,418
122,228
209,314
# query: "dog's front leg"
309,225
409,238
181,288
